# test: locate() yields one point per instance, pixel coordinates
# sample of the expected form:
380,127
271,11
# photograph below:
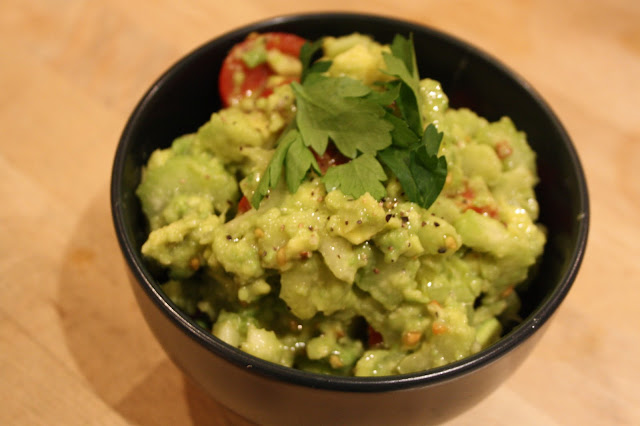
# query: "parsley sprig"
371,127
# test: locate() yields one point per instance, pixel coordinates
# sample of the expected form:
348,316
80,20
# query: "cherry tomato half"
237,80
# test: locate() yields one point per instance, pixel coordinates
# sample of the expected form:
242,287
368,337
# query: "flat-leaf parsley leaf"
419,170
369,126
357,177
337,108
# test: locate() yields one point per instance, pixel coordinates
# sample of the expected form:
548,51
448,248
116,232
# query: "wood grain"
74,348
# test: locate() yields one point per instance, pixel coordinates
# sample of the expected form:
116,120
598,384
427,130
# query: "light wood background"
74,349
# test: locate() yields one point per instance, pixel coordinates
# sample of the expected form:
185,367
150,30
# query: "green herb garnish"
307,52
296,158
364,127
418,168
358,176
339,109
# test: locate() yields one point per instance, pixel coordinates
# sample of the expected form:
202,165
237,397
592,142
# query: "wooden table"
74,349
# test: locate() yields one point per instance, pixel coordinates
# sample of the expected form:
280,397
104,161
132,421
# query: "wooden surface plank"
71,72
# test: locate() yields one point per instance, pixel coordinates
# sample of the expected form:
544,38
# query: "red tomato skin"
331,157
285,42
244,205
374,338
255,79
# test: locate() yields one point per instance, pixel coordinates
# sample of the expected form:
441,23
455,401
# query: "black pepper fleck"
442,250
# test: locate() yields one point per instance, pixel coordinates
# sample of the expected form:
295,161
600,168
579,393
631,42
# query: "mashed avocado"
321,281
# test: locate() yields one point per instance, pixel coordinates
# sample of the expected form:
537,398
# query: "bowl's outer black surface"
184,98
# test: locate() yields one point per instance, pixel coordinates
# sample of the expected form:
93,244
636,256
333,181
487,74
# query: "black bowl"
184,97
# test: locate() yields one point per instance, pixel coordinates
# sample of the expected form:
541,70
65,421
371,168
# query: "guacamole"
320,280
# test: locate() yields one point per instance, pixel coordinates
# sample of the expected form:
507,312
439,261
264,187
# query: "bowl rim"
539,316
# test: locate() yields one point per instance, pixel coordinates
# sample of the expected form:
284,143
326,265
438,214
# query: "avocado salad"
337,216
